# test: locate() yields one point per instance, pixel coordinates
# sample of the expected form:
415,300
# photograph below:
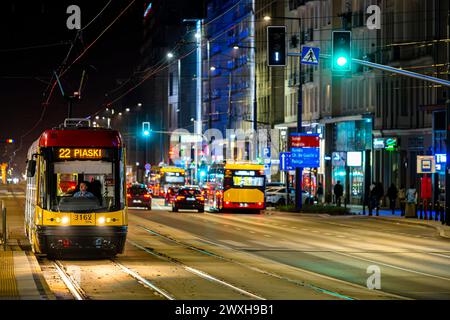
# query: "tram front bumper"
75,238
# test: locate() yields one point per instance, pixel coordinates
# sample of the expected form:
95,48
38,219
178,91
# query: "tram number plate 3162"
78,218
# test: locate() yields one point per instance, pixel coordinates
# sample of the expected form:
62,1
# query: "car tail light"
227,202
201,198
180,198
147,196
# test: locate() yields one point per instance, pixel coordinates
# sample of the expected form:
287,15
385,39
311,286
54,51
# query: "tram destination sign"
80,153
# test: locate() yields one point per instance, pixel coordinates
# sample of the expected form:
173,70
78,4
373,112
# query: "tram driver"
83,193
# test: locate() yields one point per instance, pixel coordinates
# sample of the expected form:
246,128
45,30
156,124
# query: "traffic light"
276,46
342,51
10,141
146,129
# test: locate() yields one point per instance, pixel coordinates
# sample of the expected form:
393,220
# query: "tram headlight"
65,220
101,220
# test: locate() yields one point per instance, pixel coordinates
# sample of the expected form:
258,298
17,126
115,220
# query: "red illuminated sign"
302,141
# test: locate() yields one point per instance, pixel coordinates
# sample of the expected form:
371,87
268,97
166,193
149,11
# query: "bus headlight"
101,220
65,220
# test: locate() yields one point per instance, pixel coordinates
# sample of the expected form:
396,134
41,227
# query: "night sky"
25,71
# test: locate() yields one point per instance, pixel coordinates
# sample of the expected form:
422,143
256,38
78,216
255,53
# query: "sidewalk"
386,215
20,274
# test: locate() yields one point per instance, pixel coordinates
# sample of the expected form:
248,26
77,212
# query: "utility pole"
447,140
299,171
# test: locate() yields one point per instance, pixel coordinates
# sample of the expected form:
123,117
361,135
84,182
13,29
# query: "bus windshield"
85,186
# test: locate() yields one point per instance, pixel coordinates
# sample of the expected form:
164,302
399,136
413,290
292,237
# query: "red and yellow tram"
59,218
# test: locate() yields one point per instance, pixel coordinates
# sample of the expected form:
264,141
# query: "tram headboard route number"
80,153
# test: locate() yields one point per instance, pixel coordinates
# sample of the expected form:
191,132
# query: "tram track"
303,284
75,288
197,272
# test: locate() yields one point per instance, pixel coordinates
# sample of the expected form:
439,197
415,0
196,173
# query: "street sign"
285,161
266,152
298,140
310,55
305,157
426,164
148,166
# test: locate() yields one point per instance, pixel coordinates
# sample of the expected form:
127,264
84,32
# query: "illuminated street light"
267,18
170,55
212,68
236,47
139,104
127,109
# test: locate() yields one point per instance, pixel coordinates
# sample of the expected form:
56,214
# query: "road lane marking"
392,266
439,255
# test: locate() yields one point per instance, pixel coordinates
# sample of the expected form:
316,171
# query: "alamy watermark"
74,20
374,280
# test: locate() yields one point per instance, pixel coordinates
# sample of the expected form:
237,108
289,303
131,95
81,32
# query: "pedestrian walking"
372,197
392,194
338,192
402,200
319,193
411,201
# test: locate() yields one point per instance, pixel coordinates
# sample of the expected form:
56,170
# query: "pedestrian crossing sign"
310,55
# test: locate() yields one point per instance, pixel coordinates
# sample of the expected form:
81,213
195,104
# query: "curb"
439,229
272,212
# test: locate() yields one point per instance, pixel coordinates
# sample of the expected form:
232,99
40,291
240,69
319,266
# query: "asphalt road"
413,260
190,255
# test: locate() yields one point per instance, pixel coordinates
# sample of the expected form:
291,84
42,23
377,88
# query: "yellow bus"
59,217
235,186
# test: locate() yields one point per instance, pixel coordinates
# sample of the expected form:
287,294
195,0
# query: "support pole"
299,171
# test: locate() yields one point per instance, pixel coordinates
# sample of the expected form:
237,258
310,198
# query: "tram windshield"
86,186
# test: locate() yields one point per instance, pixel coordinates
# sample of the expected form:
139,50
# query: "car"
169,196
188,197
277,196
139,196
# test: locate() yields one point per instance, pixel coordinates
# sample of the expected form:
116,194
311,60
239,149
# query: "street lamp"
170,55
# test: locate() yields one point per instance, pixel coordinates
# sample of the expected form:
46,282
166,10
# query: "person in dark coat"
338,192
319,193
392,194
373,196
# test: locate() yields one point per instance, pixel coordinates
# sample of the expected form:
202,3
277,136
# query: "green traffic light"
342,61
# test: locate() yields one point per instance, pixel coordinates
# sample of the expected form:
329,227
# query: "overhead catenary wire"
64,69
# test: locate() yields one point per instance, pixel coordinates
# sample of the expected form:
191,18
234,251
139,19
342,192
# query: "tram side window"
42,183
